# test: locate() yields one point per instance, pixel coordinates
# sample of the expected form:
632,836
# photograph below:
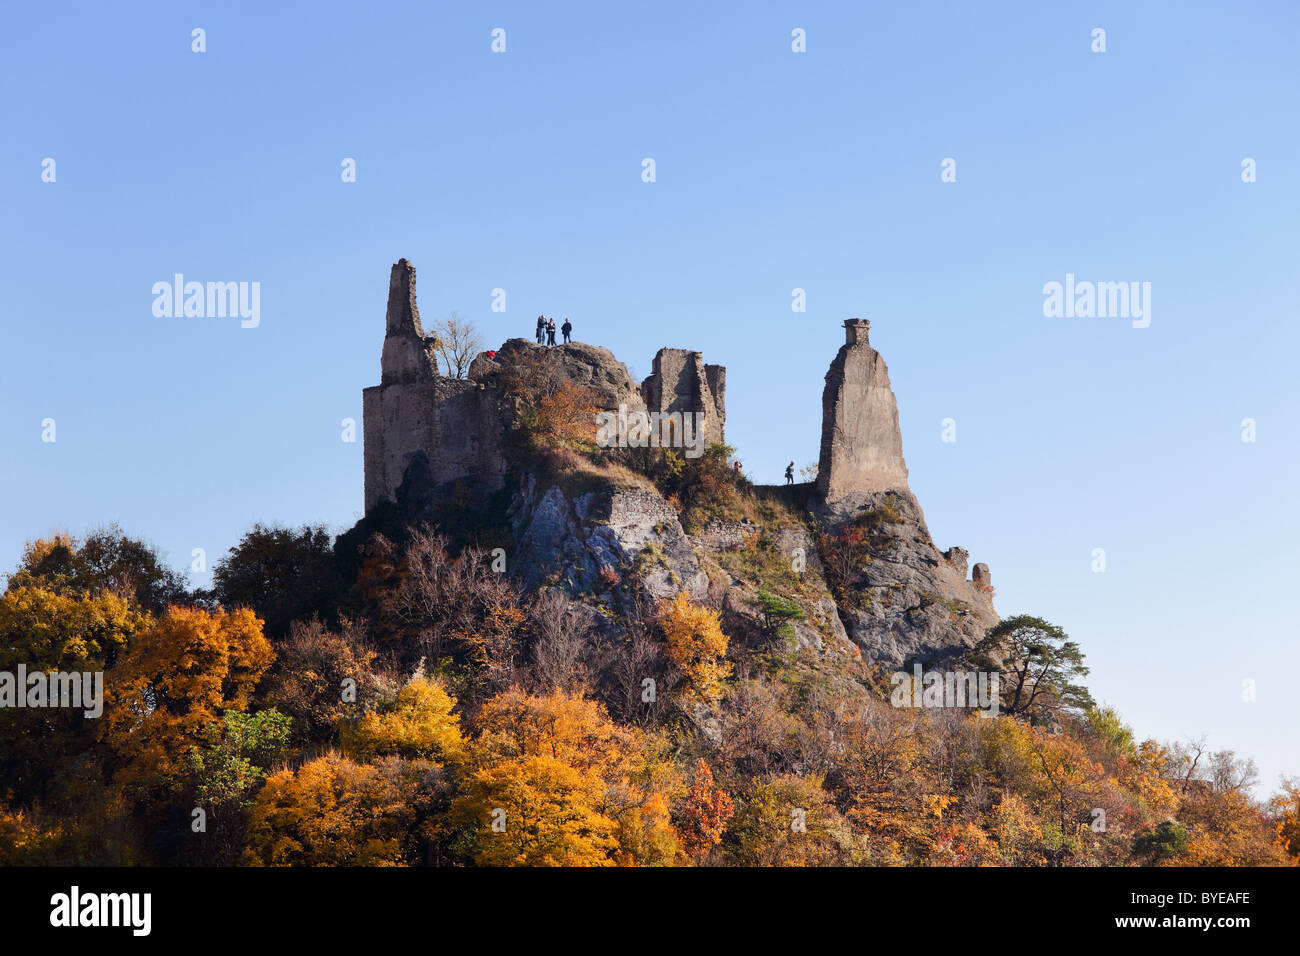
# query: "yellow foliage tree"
788,820
59,630
697,645
420,724
538,810
553,781
173,685
1286,814
330,812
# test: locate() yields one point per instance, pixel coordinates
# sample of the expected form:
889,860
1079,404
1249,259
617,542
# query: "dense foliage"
416,708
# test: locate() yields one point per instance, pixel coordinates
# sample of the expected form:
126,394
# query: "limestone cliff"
900,599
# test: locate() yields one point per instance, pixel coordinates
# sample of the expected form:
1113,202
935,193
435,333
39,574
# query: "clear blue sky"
775,170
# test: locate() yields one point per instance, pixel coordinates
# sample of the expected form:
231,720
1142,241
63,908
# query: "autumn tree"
174,683
59,629
282,574
552,411
313,669
418,723
697,645
1285,810
457,606
332,811
704,815
106,561
457,342
552,781
559,636
789,820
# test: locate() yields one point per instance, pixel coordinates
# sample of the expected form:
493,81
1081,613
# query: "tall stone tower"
862,447
421,425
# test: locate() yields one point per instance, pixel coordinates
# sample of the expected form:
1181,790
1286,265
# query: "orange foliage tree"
704,815
173,685
553,781
332,811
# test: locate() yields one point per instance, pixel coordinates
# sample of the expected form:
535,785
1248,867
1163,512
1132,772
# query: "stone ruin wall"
680,381
455,429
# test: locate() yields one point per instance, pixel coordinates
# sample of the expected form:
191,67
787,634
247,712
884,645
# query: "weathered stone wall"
862,447
456,427
437,430
452,428
681,382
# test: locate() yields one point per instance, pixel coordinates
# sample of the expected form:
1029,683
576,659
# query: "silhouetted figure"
789,474
541,329
550,332
566,328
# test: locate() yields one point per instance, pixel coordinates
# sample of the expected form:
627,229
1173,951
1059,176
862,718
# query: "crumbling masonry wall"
425,430
680,382
443,428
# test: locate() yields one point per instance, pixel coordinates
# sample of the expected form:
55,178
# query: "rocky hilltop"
852,550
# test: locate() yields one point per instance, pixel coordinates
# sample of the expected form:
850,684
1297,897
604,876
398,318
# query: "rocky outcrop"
589,543
433,443
901,600
589,366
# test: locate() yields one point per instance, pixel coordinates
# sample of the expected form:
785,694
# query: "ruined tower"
862,447
420,425
680,382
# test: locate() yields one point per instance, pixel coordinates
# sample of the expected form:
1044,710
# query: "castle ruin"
444,428
862,446
681,382
421,427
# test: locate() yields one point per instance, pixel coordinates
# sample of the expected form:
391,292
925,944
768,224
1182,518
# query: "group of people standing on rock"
546,330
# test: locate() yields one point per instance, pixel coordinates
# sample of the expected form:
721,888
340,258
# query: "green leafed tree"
1040,666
